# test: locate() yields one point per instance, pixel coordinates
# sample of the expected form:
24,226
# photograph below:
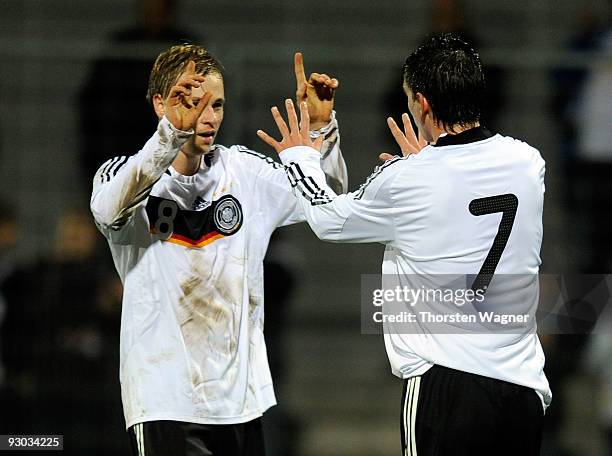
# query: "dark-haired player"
188,223
468,203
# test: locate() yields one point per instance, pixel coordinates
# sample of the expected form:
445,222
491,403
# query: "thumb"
386,157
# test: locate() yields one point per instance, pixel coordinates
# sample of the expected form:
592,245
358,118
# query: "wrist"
318,124
322,128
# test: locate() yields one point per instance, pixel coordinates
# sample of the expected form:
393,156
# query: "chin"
203,149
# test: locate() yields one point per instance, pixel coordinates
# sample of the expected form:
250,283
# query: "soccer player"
188,223
470,202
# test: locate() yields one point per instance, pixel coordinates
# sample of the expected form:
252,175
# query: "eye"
217,105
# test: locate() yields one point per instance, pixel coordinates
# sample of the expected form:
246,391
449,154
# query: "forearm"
314,197
353,217
332,161
115,197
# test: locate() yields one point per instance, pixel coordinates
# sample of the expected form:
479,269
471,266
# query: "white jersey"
190,250
419,207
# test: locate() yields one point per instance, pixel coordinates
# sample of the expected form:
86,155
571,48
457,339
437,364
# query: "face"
210,120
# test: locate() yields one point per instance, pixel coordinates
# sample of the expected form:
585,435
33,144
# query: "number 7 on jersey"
506,204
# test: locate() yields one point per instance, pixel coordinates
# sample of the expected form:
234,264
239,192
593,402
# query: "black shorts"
446,412
176,438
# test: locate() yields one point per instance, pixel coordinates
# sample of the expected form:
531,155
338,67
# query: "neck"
454,130
187,165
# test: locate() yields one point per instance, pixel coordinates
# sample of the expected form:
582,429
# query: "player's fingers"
400,139
333,83
422,141
409,131
298,66
189,82
386,157
300,94
186,101
202,103
280,123
314,78
323,78
304,123
177,90
292,117
193,75
269,140
191,67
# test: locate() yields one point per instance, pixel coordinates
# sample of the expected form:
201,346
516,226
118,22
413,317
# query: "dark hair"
448,72
170,64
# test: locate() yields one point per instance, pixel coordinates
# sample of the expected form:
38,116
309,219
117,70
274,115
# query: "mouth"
207,136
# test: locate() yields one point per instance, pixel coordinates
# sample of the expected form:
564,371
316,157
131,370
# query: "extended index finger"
399,136
298,66
191,68
409,131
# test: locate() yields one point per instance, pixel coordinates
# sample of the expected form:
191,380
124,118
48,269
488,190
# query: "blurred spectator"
448,16
115,118
581,107
61,333
599,363
568,82
9,235
594,139
281,428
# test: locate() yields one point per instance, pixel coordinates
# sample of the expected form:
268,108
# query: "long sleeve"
273,190
122,183
332,161
366,215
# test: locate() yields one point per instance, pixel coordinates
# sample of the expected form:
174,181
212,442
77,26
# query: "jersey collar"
208,159
465,137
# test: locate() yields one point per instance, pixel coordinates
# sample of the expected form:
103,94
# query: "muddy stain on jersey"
254,303
208,314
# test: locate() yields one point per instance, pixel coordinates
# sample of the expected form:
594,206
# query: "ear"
159,105
423,105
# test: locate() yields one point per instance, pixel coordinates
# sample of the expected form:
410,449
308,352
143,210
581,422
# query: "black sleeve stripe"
377,171
307,183
298,171
315,133
111,167
328,148
263,157
128,212
329,133
116,167
106,166
291,175
307,186
320,195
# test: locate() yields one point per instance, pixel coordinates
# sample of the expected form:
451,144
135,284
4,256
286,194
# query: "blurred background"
73,77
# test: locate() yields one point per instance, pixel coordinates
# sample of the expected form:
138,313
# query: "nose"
208,115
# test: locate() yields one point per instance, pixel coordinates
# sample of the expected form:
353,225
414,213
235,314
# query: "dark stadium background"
59,294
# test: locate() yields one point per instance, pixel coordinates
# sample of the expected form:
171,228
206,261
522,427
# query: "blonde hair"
170,64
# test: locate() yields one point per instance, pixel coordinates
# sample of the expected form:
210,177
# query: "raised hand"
318,92
294,135
180,108
407,139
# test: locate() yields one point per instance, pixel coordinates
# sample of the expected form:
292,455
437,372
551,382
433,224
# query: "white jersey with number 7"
471,204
